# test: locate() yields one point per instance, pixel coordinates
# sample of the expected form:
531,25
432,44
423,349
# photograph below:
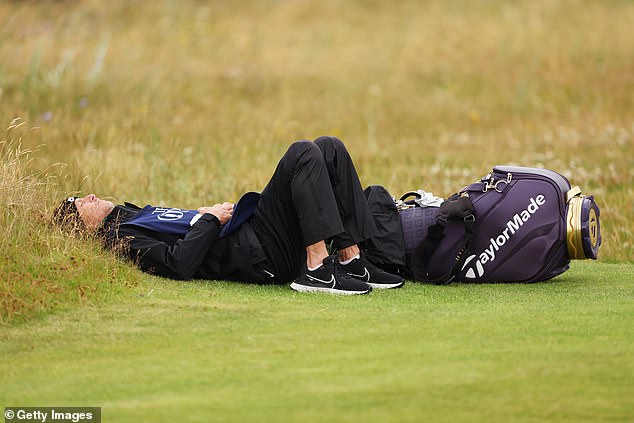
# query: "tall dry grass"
42,267
189,103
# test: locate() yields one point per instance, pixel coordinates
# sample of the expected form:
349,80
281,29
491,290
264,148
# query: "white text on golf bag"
512,226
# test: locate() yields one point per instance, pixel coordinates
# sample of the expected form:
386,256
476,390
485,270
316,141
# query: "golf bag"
516,224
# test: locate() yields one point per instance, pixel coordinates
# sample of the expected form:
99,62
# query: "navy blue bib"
163,220
177,221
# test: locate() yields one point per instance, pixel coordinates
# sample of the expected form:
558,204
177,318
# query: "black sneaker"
363,270
331,279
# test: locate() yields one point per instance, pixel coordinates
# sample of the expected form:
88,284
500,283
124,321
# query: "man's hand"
222,211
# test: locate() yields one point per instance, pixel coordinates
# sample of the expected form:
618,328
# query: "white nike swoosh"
332,280
366,275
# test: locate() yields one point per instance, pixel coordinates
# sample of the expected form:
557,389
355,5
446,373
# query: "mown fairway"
557,351
191,103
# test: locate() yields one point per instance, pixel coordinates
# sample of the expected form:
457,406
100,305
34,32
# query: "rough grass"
191,103
43,268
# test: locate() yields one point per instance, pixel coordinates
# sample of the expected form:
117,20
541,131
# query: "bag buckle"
493,184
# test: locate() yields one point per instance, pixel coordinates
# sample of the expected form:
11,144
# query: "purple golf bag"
516,224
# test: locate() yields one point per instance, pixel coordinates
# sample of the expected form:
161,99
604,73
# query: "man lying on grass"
277,236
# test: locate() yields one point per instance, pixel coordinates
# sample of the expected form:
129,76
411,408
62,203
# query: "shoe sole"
303,288
386,285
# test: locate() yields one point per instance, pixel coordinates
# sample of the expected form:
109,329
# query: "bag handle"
410,194
456,207
421,199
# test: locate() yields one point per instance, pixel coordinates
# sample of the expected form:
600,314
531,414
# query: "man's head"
82,212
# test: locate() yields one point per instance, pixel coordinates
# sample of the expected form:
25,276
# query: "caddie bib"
165,220
175,221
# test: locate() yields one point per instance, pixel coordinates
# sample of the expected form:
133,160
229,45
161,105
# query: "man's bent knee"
304,150
330,142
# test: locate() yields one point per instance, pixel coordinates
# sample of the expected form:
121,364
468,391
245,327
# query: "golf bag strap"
455,207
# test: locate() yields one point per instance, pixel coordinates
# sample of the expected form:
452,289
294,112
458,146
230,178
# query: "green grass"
214,351
191,103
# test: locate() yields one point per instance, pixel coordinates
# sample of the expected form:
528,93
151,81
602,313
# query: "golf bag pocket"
418,211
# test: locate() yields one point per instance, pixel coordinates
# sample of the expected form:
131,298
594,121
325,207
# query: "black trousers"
315,194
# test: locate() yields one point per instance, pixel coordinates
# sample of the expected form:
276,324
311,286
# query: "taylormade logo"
512,226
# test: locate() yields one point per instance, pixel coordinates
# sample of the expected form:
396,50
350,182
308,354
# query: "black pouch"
387,249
